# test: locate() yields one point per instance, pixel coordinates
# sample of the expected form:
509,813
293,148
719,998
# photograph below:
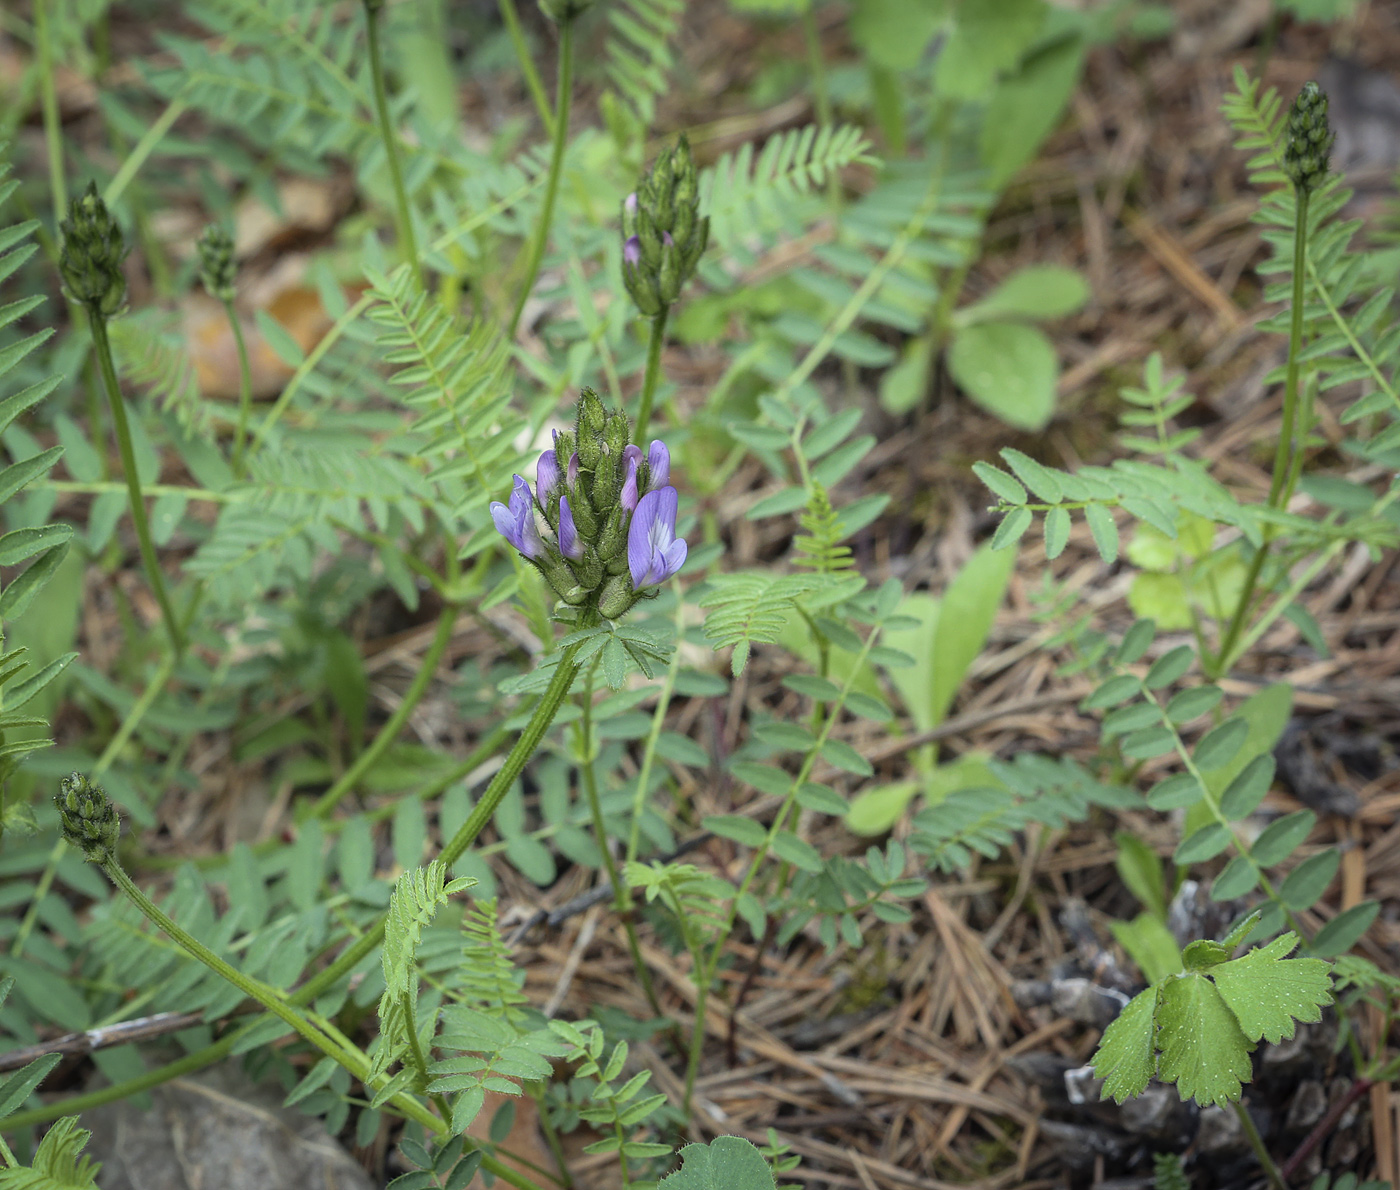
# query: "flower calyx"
663,233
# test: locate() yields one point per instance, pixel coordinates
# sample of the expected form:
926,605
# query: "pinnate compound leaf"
726,1163
1203,1049
1267,991
1124,1059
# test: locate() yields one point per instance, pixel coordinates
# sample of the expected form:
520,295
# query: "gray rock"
217,1130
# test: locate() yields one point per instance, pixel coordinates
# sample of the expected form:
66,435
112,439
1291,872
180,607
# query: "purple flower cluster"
609,521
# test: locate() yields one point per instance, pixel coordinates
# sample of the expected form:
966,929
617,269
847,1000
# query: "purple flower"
546,474
629,204
659,462
628,498
569,544
516,522
573,469
632,251
654,552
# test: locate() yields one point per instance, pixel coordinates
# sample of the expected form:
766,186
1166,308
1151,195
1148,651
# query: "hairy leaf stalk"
154,575
556,163
407,241
656,341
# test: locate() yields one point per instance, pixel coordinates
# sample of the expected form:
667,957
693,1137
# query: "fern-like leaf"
58,1162
490,980
751,606
42,547
741,193
820,549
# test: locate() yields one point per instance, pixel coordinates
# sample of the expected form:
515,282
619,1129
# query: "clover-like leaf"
1125,1059
726,1163
1203,1050
1267,991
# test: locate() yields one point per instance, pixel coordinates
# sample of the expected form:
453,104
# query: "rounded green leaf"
1206,843
1309,880
1219,745
1037,291
1239,877
1177,792
1191,704
1169,666
1344,931
1008,369
1247,790
1277,841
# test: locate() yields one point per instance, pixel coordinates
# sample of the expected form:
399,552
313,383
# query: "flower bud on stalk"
1310,137
93,251
88,818
610,510
216,266
663,234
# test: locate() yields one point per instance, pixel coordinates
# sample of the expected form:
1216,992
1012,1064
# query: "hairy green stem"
103,348
270,998
1280,489
654,344
556,164
1261,1150
511,19
245,388
395,723
407,241
143,148
48,98
420,1060
545,710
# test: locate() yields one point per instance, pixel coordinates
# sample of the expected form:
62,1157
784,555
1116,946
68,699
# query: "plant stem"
48,97
245,389
98,325
420,1061
407,241
545,710
653,372
394,724
1280,487
556,162
511,19
525,746
1256,1142
254,989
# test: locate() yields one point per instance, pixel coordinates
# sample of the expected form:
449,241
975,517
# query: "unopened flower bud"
88,817
1310,137
216,266
663,233
92,255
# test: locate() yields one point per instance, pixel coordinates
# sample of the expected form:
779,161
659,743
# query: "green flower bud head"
1310,136
88,817
216,267
561,12
663,234
609,515
93,251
